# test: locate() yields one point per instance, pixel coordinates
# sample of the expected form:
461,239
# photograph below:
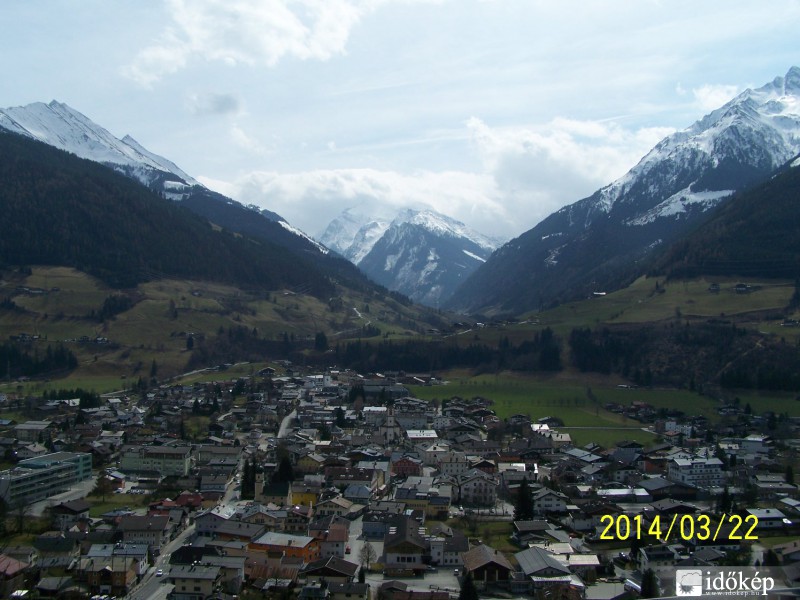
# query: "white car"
159,573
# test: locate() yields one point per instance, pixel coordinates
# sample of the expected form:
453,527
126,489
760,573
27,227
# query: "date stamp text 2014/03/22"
685,527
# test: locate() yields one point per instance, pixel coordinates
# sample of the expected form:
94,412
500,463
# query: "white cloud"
711,97
251,32
311,199
527,174
544,168
248,142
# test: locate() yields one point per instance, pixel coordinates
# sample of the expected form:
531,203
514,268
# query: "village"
344,486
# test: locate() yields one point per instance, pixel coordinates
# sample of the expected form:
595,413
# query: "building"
153,531
44,476
404,548
165,460
108,575
477,488
487,566
292,546
697,472
195,582
67,514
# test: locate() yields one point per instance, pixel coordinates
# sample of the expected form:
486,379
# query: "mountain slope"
420,253
755,234
62,127
595,243
61,210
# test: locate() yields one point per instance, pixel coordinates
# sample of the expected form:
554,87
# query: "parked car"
159,573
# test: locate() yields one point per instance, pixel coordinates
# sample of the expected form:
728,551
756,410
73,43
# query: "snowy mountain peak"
596,242
419,252
765,121
63,127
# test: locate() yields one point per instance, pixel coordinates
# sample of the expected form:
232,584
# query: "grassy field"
566,396
641,303
155,328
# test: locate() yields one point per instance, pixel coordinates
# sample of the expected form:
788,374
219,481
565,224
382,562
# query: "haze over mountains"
599,242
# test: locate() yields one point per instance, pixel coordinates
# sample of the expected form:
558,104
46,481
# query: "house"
332,569
108,575
404,548
788,552
338,506
477,488
154,531
334,542
207,522
348,591
195,581
140,552
297,546
487,566
407,466
536,562
233,530
547,501
12,573
67,514
766,518
33,431
659,557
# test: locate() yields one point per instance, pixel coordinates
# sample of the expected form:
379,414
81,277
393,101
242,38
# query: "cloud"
248,142
525,174
251,32
213,104
311,199
540,169
711,97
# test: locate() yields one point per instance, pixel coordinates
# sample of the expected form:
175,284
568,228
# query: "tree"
523,507
468,589
725,501
102,487
285,472
320,342
339,417
189,342
649,585
367,555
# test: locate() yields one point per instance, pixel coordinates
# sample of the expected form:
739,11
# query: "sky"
494,112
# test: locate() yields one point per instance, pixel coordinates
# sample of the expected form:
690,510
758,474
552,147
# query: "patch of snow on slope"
296,231
678,204
475,256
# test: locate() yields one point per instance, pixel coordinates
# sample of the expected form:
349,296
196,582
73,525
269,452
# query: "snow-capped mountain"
420,253
596,242
58,125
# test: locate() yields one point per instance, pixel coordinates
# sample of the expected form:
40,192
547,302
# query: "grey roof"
535,560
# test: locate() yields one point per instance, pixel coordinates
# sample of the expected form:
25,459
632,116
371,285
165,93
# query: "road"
286,424
157,588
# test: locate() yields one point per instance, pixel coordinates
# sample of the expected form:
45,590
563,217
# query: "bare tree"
367,555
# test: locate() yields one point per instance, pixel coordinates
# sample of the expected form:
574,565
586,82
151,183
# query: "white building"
697,472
